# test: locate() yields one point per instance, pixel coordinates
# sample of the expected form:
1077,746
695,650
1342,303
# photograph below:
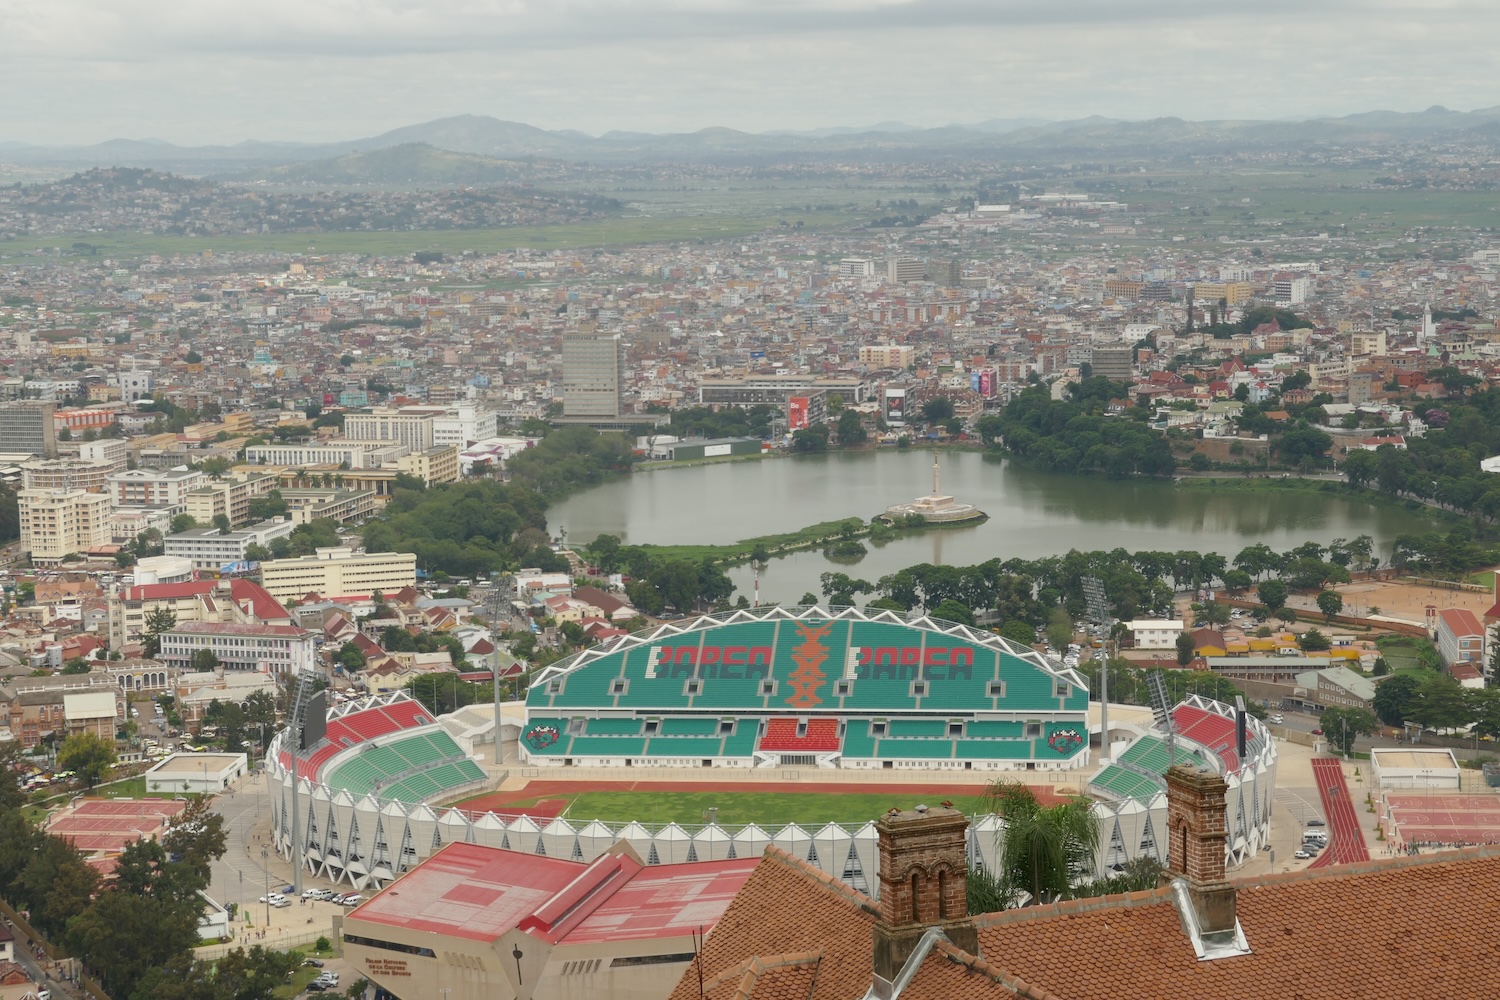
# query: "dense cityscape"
359,533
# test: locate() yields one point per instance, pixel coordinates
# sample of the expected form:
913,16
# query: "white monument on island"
936,507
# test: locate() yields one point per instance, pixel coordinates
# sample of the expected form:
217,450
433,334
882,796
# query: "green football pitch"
768,809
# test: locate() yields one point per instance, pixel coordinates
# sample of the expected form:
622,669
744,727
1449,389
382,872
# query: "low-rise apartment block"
153,487
280,650
211,551
230,497
339,572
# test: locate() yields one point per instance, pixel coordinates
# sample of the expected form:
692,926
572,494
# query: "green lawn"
769,809
129,788
1485,579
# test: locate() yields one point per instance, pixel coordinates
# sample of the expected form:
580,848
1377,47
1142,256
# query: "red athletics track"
1345,842
500,802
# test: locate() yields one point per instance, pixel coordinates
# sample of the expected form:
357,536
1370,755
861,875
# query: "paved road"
239,876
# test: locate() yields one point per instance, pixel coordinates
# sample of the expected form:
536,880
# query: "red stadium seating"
1211,730
370,723
407,714
821,736
358,727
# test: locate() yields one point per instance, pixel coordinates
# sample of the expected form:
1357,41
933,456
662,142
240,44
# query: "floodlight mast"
1093,592
302,691
1161,709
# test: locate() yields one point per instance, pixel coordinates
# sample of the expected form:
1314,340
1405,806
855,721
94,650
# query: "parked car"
1276,718
1315,822
353,899
310,893
316,963
1301,855
317,987
1317,732
325,894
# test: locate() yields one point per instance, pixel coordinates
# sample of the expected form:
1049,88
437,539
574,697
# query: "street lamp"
265,864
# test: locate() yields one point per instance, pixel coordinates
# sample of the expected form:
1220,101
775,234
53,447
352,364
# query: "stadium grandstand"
1131,791
377,754
808,687
366,841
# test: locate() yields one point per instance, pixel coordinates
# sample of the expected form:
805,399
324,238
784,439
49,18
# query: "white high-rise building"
413,429
593,367
56,523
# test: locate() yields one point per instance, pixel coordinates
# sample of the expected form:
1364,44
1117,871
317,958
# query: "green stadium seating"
689,727
608,746
613,727
857,739
1125,783
1028,688
917,727
683,746
741,743
587,688
992,729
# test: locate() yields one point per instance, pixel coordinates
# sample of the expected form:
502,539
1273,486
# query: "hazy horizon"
214,72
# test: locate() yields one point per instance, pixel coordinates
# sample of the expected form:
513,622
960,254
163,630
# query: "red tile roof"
788,906
1461,622
481,893
1417,922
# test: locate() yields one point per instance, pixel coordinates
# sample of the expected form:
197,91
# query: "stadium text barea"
809,687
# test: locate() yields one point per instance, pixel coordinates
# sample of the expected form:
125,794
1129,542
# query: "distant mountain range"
474,149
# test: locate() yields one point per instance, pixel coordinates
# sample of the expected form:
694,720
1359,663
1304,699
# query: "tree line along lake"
1031,513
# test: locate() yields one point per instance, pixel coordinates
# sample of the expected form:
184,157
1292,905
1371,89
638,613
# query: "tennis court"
107,825
1415,819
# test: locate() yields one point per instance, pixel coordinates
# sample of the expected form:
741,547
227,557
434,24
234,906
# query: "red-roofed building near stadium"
238,601
282,650
1459,636
481,923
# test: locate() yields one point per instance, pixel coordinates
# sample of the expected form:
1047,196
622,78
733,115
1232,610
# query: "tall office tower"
26,427
593,370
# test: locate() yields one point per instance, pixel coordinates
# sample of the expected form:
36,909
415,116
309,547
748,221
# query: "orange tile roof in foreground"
1398,927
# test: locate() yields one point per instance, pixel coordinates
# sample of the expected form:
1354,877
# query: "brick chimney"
923,875
1198,839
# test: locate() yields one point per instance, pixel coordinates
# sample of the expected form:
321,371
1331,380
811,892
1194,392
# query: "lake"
1032,513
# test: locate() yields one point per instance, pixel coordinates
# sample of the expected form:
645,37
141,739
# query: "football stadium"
1131,791
763,689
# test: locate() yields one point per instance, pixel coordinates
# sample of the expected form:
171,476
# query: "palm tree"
1046,847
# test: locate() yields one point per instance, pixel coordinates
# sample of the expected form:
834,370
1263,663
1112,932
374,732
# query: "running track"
1345,842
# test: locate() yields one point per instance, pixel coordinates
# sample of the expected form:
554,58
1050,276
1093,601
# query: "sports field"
772,806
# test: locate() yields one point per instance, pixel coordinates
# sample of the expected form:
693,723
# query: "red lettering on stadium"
729,662
901,663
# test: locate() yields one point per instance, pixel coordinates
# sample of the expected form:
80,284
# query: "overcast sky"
213,71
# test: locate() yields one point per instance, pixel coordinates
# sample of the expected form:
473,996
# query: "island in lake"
935,508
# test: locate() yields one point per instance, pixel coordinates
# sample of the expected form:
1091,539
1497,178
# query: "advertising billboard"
796,413
894,407
987,383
